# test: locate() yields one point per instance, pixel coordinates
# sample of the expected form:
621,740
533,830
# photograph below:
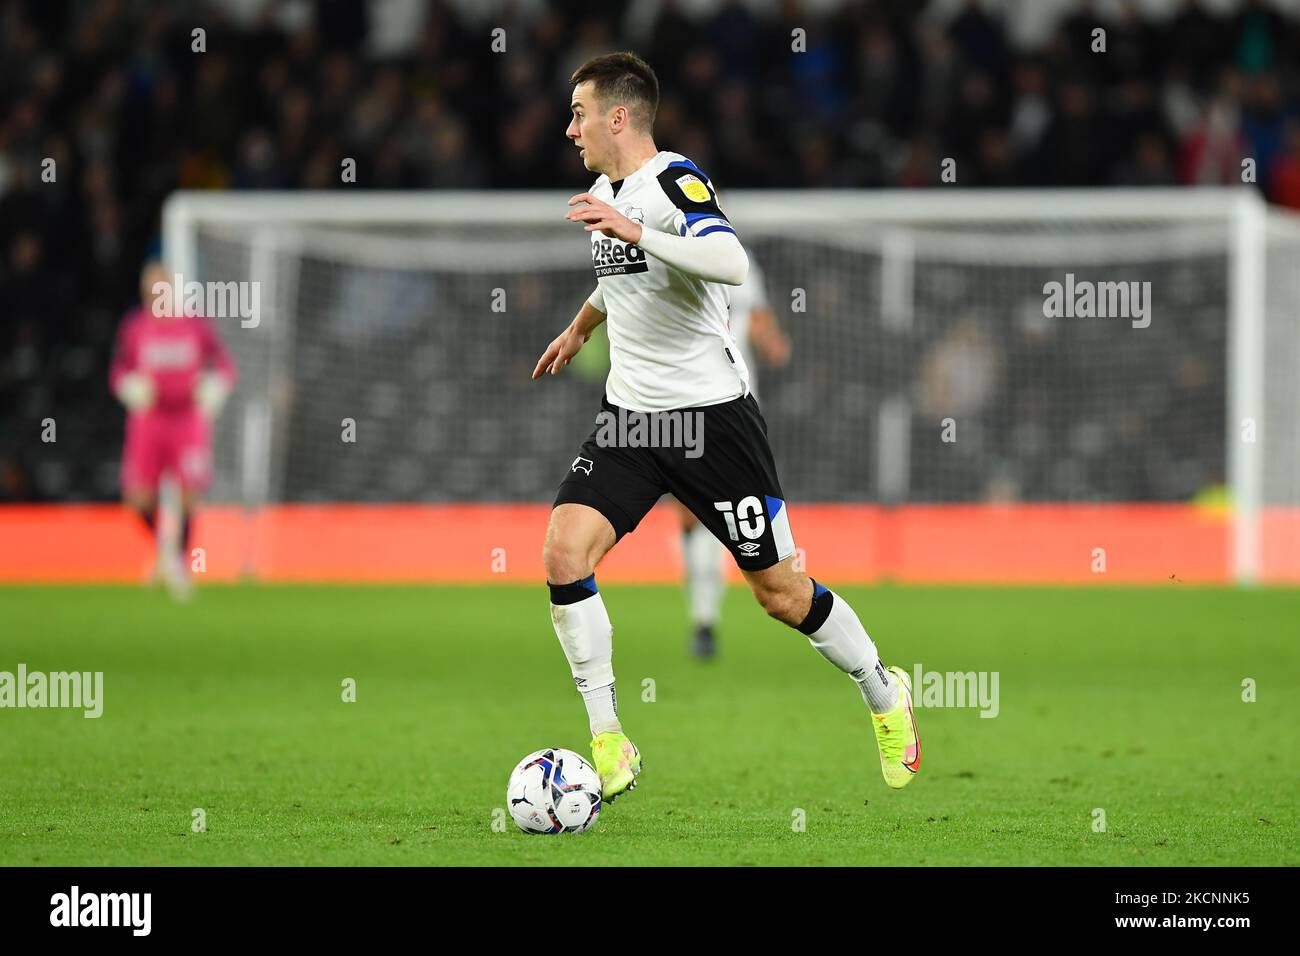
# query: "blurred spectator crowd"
113,93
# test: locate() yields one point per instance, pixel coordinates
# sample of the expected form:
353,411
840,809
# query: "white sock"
837,634
582,625
703,556
602,709
879,689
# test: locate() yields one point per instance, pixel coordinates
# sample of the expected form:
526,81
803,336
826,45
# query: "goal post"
932,365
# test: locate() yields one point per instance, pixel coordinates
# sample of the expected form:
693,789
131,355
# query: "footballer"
663,253
173,374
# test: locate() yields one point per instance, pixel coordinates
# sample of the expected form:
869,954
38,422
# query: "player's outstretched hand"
599,214
559,353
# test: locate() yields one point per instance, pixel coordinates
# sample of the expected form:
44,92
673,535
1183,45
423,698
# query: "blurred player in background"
173,374
754,326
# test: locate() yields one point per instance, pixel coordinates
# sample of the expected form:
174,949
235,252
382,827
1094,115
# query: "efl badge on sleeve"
693,188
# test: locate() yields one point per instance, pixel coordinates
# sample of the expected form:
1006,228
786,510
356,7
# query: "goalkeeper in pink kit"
173,374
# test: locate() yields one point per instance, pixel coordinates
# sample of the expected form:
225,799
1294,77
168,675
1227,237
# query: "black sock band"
821,609
573,593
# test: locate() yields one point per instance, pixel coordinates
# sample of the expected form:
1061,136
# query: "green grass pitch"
1127,700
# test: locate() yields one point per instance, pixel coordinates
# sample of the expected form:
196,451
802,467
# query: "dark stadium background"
412,91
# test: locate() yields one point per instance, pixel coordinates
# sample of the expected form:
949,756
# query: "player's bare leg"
190,501
577,537
180,556
702,557
832,628
144,504
173,563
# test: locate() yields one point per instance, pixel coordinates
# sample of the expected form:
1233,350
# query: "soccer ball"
554,791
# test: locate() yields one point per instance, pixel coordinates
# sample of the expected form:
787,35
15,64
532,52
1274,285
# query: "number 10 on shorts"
745,518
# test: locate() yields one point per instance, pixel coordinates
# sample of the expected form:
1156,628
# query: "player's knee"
565,563
782,602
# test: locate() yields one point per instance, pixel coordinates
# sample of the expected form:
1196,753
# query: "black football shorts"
714,459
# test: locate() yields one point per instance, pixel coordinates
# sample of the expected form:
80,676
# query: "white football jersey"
669,346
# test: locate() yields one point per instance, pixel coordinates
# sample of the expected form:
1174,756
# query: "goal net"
992,347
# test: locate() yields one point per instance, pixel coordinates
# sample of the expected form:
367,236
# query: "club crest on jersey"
582,464
693,188
636,214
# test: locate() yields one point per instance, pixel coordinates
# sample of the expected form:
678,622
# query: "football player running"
663,251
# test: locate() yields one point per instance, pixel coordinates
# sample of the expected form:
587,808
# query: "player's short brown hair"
623,79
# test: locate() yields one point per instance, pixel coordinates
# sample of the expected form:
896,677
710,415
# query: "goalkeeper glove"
136,391
211,393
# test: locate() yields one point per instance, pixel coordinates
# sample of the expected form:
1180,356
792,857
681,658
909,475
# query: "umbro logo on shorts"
749,547
582,464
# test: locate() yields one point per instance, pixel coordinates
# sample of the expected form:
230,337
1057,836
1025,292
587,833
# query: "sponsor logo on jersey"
169,353
693,188
611,257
